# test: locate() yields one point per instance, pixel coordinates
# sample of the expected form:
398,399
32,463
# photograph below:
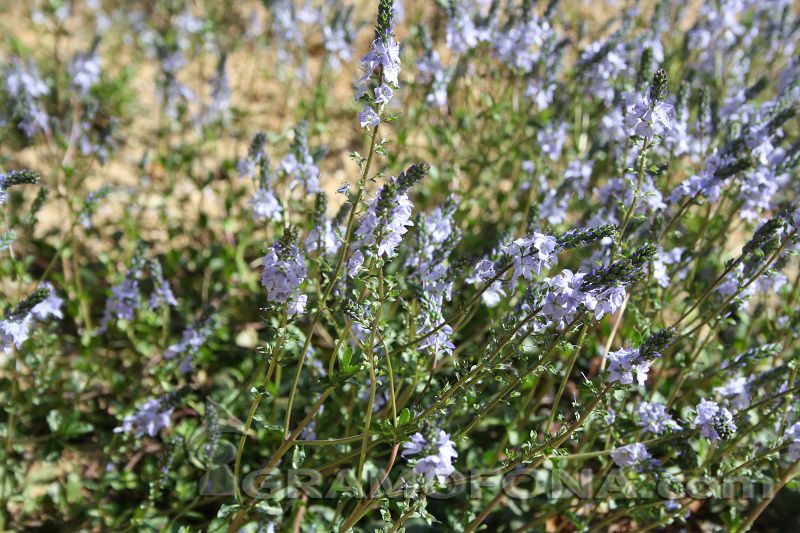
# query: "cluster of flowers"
382,65
438,462
581,136
30,103
284,271
126,297
40,305
152,416
192,339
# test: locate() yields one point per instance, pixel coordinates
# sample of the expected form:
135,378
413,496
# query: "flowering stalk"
288,438
254,406
567,373
535,464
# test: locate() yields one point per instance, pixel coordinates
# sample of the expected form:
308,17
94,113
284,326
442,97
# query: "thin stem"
552,444
755,513
238,520
365,506
567,373
629,212
331,283
254,406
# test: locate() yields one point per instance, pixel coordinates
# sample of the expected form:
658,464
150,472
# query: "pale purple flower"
368,118
297,305
551,139
709,417
602,70
627,364
732,284
415,445
266,205
324,237
771,281
621,365
162,293
50,306
793,434
151,417
355,262
390,230
645,118
310,431
660,263
190,342
192,338
25,87
461,32
439,341
299,164
564,297
284,271
521,45
541,93
494,294
123,302
737,391
247,168
22,81
85,72
337,41
630,455
530,254
579,172
383,95
655,418
439,464
384,52
14,331
483,272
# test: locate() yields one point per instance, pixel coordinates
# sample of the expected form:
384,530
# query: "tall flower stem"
331,283
632,208
254,406
240,516
567,373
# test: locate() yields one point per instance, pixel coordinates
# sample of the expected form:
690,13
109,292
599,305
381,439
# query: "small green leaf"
268,508
298,457
404,417
345,356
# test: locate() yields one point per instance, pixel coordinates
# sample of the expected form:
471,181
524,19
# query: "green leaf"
404,417
345,356
227,509
268,508
298,456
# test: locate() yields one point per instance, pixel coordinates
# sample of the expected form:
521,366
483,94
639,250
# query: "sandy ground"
263,102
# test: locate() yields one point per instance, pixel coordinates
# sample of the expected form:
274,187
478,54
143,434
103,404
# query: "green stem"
552,444
755,513
567,373
254,406
238,520
629,212
331,283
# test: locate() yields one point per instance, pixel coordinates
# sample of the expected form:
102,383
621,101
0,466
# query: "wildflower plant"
333,265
